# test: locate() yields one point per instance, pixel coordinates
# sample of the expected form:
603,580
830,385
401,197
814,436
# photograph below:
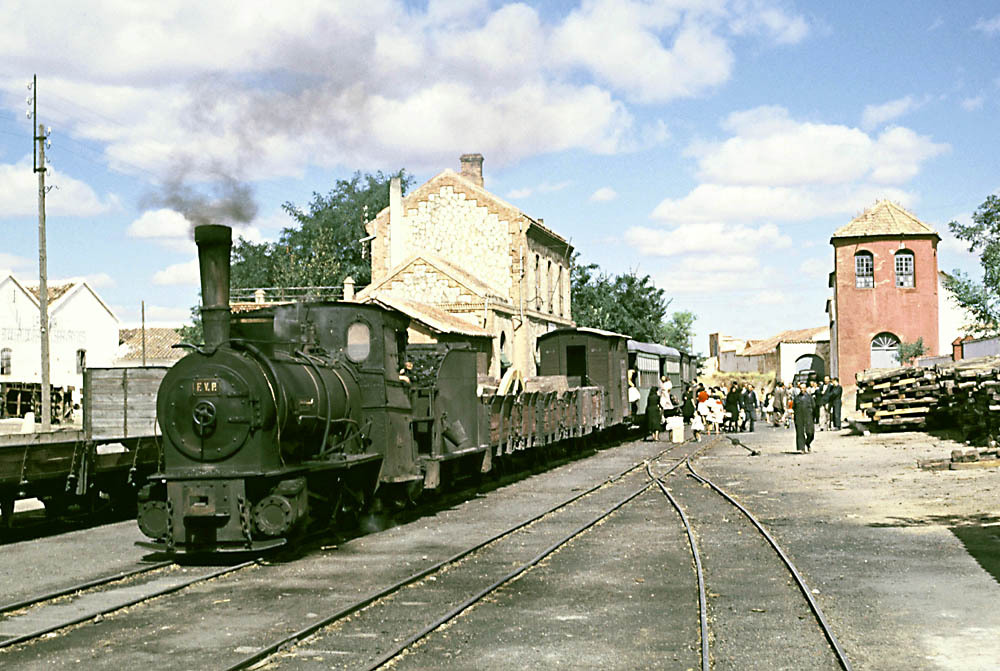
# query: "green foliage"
981,299
679,330
193,333
325,247
908,351
627,304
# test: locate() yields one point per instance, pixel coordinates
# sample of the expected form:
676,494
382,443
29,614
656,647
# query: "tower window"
864,270
904,269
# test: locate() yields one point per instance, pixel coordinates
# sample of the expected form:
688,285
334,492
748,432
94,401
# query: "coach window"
904,268
864,270
81,360
358,341
5,361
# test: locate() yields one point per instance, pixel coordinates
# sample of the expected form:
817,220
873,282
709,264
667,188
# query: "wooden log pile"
964,394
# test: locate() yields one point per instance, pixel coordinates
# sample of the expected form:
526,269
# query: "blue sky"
714,145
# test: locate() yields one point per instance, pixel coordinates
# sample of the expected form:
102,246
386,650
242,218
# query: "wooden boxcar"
588,357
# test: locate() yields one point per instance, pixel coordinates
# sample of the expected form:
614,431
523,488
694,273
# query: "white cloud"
603,195
171,230
715,274
816,267
183,274
8,261
69,197
769,298
973,103
770,148
876,115
777,168
706,238
167,316
405,85
717,202
544,187
988,26
758,17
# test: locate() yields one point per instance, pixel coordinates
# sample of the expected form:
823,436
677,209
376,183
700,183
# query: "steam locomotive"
302,414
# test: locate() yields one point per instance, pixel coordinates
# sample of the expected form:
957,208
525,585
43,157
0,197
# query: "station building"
465,254
885,286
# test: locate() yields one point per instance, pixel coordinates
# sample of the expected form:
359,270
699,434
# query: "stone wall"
420,281
450,225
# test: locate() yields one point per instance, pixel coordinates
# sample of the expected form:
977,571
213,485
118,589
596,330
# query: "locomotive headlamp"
204,415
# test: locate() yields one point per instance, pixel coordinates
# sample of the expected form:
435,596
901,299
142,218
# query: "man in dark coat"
835,393
654,415
749,403
733,404
802,408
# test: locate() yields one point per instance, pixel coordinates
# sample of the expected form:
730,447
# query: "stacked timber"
898,397
965,394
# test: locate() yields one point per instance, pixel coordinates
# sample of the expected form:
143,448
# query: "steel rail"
468,603
817,611
298,636
31,601
699,571
89,616
471,601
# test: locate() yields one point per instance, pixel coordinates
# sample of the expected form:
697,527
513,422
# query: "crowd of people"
736,408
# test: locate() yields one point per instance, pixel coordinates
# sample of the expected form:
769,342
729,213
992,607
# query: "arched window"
885,351
904,268
548,286
562,304
5,355
538,282
864,270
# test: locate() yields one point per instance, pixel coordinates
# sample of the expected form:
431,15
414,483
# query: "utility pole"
43,288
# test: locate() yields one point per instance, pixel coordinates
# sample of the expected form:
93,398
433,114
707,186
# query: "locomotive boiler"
272,421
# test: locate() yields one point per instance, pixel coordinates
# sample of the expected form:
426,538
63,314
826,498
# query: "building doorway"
885,351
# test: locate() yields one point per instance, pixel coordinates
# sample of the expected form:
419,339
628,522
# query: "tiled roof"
436,318
55,291
796,335
159,344
884,218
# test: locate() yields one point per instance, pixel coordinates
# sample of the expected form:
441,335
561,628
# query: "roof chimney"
472,168
398,233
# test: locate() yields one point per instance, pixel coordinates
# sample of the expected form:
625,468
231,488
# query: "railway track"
31,619
69,607
835,649
355,620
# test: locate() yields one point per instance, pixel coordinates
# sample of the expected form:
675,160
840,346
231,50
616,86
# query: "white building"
83,331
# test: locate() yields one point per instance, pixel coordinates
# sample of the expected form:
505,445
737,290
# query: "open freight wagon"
107,459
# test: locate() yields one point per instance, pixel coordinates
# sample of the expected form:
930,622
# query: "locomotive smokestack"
214,244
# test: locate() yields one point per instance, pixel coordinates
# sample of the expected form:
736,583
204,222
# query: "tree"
627,304
679,331
908,351
981,299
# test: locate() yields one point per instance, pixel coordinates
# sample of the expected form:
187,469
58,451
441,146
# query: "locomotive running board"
256,546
